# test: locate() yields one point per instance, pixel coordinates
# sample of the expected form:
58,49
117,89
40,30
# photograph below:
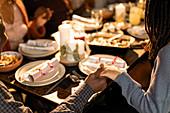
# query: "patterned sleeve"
75,103
8,104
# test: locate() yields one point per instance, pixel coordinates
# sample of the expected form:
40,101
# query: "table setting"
74,53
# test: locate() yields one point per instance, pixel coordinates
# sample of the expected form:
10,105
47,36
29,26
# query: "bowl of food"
10,60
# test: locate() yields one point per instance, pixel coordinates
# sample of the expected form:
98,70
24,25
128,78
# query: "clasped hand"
98,79
41,20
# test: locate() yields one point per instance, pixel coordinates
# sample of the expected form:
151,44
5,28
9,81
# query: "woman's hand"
95,81
42,19
111,72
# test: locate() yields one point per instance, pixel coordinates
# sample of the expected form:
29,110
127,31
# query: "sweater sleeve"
157,98
34,32
75,103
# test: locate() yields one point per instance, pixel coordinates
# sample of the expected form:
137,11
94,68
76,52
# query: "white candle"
81,47
71,46
120,11
64,30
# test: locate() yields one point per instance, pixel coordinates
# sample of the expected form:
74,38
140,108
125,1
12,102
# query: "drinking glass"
97,16
134,16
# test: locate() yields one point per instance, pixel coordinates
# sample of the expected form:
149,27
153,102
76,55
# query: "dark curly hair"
157,25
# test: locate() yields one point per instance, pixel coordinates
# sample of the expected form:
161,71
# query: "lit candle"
81,47
120,11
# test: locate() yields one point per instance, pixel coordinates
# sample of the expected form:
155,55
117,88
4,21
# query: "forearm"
75,103
35,32
142,101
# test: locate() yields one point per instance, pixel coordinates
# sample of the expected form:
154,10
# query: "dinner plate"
49,78
87,69
138,32
38,53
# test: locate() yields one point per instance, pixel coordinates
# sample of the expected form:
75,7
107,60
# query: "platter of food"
116,41
91,63
10,60
51,76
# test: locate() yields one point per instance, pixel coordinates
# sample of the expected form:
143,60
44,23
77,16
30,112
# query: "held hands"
43,18
111,72
97,80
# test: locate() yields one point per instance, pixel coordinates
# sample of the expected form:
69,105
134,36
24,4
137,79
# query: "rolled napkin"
88,23
94,61
40,43
22,45
40,70
82,19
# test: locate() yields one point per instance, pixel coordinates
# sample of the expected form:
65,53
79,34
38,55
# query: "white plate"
45,80
86,70
138,32
89,28
37,53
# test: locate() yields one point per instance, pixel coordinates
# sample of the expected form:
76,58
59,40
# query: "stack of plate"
34,53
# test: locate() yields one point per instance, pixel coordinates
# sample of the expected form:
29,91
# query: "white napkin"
23,45
40,70
88,23
40,43
82,19
93,62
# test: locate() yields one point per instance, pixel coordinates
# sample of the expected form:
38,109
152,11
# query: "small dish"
13,65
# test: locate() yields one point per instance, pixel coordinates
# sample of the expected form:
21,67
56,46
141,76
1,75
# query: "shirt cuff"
85,91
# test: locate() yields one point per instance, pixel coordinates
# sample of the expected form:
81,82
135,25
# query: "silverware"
57,83
74,78
78,75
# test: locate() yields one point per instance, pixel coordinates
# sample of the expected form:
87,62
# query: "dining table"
131,56
63,89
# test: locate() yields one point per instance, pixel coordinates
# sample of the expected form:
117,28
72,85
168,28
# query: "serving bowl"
13,65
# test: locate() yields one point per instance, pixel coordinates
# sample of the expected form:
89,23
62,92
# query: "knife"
57,83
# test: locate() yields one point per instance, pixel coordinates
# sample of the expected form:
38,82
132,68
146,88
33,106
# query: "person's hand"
42,19
95,81
111,72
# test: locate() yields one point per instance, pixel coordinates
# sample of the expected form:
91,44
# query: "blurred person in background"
18,28
59,8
